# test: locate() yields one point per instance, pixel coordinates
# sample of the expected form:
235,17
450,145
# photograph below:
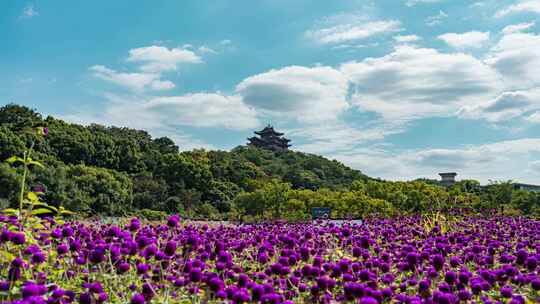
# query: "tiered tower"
270,139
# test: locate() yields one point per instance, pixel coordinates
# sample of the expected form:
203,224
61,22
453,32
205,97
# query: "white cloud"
225,42
134,81
515,28
205,49
157,59
473,39
307,94
406,38
203,110
416,82
353,31
506,106
166,116
436,19
29,12
522,6
517,58
493,161
415,2
534,166
478,4
152,62
339,136
534,117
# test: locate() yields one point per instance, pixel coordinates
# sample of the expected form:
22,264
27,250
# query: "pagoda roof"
268,130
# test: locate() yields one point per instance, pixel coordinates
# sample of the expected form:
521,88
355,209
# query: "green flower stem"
23,181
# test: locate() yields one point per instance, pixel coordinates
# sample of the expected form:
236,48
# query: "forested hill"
98,169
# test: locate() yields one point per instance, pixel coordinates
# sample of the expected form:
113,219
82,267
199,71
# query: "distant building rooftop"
527,187
448,178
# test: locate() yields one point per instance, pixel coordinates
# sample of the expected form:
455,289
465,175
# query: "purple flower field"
477,260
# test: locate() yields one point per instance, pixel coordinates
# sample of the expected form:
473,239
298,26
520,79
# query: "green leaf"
67,212
32,197
35,163
41,211
10,211
43,205
14,159
39,226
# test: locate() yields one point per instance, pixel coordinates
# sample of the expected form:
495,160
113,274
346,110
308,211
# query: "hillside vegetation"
118,171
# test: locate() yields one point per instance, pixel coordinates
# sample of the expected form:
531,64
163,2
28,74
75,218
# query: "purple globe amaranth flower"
37,258
17,262
142,268
521,256
368,300
102,297
437,261
134,224
58,293
97,256
450,277
216,284
5,236
4,285
241,296
18,238
531,263
173,221
506,291
137,299
170,248
195,275
123,267
148,291
464,295
31,289
62,249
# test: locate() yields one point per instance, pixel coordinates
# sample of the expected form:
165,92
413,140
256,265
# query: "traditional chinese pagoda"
269,139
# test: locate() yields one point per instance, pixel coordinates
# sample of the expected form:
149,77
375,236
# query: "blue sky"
399,89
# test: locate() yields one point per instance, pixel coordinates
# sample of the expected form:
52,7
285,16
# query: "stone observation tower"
448,179
269,139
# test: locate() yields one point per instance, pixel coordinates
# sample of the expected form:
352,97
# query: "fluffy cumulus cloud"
415,2
307,94
152,62
168,116
406,38
29,12
534,166
516,28
352,31
472,39
133,81
339,136
414,82
534,117
203,110
506,106
517,58
484,162
157,59
520,6
436,19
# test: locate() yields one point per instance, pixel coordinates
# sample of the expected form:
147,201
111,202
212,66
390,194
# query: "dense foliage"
403,260
118,171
